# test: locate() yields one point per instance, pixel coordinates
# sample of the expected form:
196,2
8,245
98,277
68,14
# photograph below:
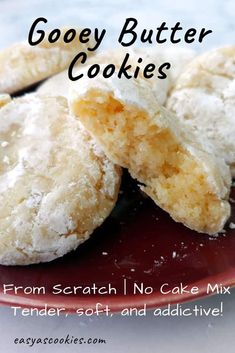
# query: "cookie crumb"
222,231
214,236
232,225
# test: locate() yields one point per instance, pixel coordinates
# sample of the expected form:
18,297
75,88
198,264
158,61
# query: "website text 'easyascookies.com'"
59,341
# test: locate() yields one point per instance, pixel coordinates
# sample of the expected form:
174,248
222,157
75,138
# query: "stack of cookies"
63,146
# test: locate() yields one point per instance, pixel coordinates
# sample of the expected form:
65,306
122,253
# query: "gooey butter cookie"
178,170
56,185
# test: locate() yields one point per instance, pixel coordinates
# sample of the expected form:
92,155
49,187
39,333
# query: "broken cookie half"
179,172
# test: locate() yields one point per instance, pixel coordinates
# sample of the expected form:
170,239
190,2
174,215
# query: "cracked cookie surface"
56,185
204,99
22,65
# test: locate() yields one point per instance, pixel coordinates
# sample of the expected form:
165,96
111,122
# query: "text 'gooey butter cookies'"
180,174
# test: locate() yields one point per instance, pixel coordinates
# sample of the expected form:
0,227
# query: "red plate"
140,243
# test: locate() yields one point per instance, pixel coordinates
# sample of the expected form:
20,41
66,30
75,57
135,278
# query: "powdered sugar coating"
204,99
22,65
57,185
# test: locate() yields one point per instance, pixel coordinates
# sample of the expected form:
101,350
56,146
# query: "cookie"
4,99
177,171
22,65
204,99
59,84
177,57
56,185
